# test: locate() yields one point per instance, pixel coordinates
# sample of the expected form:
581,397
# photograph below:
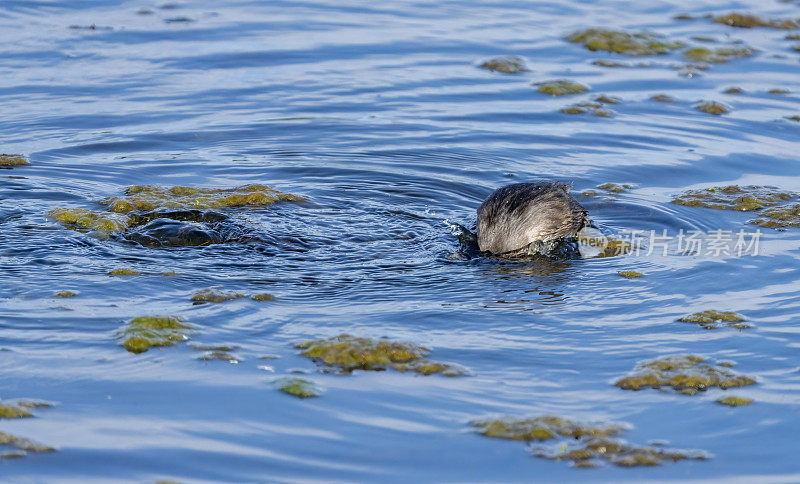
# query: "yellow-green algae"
10,410
219,356
793,118
734,401
561,87
608,99
150,197
686,374
215,295
348,353
170,274
23,444
122,271
778,217
145,332
712,107
615,187
12,160
663,98
719,55
298,387
508,64
65,294
734,197
587,108
608,246
545,427
746,21
81,218
263,297
778,91
711,319
588,453
734,90
621,42
630,274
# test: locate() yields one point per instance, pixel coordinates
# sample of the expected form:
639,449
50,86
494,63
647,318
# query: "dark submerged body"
516,216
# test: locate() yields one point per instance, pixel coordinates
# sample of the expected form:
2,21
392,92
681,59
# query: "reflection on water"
381,118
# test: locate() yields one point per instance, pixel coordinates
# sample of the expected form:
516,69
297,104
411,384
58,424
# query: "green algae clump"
734,401
621,42
561,87
734,90
149,197
779,217
23,444
508,64
719,55
298,387
215,295
663,98
615,187
588,453
10,161
712,107
545,427
630,274
347,353
711,319
745,21
123,272
10,410
263,297
587,108
81,218
739,198
145,332
65,294
778,91
687,374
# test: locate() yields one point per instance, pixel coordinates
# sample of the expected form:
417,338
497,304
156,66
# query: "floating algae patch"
145,332
65,294
778,91
508,64
719,55
740,198
23,444
608,99
593,108
122,271
687,374
793,118
150,197
734,401
81,218
712,107
346,353
630,274
545,427
10,161
615,187
590,453
779,217
219,356
215,295
734,90
749,21
298,387
621,42
560,87
711,319
662,98
263,297
597,245
10,410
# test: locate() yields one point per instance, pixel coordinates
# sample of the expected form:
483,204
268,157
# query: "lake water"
379,116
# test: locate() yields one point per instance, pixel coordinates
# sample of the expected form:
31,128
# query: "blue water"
378,115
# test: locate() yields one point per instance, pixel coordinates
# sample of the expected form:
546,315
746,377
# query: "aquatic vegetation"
779,217
734,401
81,218
263,297
561,87
587,108
733,90
23,444
149,197
608,99
621,42
687,374
170,274
663,98
734,197
718,55
123,272
221,348
749,21
793,118
10,161
218,355
712,107
215,295
298,387
509,64
615,187
630,274
545,427
610,63
145,332
711,319
588,453
10,410
778,91
604,246
347,353
65,294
